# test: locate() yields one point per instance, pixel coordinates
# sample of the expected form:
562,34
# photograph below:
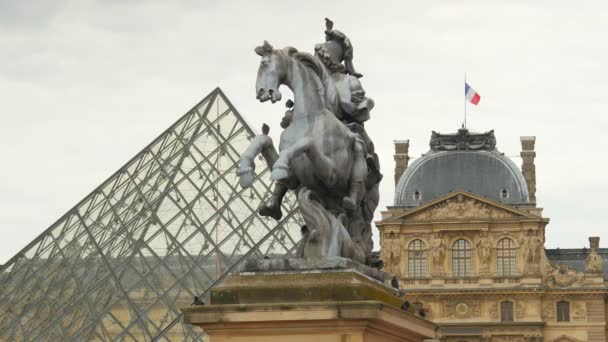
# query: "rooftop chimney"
527,167
401,158
594,242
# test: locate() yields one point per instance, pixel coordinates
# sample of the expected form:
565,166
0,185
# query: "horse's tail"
325,235
315,216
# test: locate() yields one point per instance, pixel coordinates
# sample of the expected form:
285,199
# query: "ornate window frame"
506,257
562,311
462,257
417,259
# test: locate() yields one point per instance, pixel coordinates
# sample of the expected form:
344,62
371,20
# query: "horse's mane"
310,62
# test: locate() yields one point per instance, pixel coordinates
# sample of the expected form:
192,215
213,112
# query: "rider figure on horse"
354,105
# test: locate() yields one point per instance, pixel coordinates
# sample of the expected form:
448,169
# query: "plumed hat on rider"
337,48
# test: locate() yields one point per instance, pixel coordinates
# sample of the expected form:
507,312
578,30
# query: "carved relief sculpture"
563,276
462,308
493,311
520,309
579,311
548,310
461,207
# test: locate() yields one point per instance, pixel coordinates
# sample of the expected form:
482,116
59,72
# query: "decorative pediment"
461,205
564,338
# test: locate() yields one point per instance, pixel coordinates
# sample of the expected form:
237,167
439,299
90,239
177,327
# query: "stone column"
527,167
401,158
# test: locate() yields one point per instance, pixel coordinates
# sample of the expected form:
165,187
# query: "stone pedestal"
317,306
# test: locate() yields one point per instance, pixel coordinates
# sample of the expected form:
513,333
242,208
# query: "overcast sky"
85,85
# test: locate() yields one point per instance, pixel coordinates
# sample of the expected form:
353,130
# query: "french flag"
470,94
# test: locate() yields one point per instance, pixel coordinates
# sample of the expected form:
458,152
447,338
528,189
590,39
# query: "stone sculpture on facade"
594,263
437,254
532,247
324,154
484,248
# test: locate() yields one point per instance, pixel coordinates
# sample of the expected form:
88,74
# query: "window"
504,194
506,253
416,259
563,311
461,258
506,311
417,195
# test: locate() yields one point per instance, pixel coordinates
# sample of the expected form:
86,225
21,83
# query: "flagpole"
465,101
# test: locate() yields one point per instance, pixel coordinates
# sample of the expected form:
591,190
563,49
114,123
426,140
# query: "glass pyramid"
166,227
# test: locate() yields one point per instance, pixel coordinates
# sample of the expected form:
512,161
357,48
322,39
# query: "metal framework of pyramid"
166,227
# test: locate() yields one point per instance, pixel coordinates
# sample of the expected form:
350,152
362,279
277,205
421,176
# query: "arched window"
461,258
563,311
506,311
506,257
416,259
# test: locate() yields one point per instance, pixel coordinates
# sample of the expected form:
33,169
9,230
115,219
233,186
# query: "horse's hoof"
279,172
272,211
246,178
349,204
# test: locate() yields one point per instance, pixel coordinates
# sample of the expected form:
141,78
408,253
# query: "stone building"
465,239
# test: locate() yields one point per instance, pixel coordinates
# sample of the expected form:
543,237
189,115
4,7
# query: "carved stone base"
320,306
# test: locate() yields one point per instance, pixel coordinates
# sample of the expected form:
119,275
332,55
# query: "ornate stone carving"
594,262
391,251
437,254
579,311
493,311
324,152
520,309
548,310
462,308
484,249
531,247
463,140
507,339
533,338
563,276
461,207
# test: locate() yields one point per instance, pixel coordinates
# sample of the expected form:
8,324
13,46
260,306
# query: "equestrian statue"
325,153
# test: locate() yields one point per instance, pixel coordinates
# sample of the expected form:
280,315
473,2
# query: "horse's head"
270,74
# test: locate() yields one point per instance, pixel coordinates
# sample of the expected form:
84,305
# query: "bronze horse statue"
319,155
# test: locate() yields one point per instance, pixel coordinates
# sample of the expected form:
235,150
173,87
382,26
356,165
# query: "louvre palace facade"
465,238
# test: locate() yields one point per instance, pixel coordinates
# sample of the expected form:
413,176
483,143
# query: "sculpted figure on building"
484,248
325,153
594,262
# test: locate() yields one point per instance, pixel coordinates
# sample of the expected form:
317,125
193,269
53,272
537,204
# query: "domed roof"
466,161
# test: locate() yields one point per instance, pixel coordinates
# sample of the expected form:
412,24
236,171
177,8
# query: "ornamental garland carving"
462,308
461,207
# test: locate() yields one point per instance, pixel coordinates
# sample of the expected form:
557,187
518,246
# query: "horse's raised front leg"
259,144
357,176
324,166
